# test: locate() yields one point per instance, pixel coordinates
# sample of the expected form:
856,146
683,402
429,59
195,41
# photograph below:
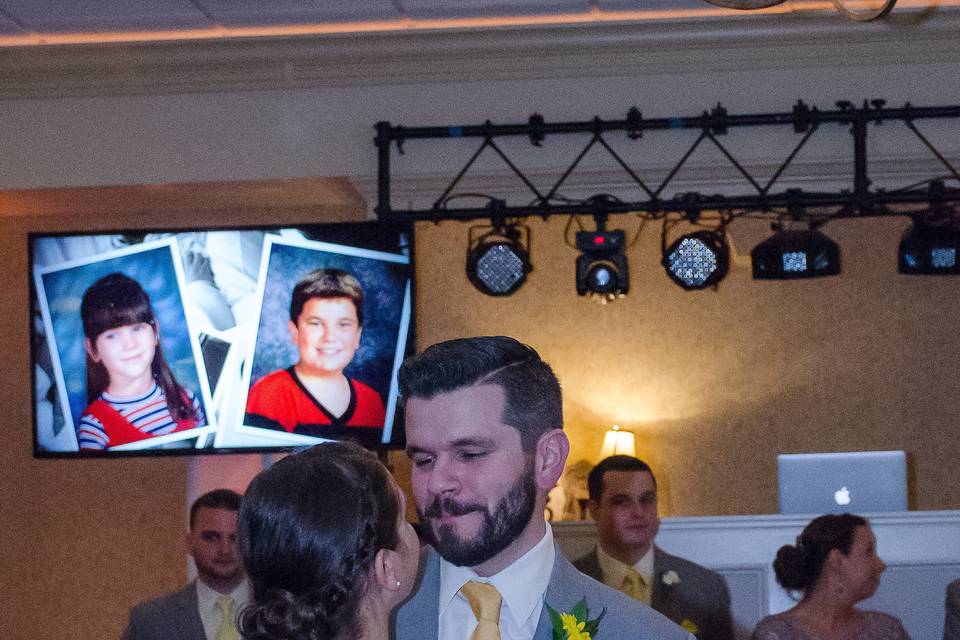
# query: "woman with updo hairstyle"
833,566
326,546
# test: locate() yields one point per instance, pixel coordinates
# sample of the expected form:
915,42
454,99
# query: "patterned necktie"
484,601
227,630
635,586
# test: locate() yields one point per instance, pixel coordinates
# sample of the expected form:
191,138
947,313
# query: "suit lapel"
657,594
188,623
420,616
561,595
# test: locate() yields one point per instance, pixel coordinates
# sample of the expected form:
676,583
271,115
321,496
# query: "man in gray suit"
205,609
623,503
484,433
951,625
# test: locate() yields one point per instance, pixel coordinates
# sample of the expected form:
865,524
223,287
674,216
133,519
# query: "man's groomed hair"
216,499
614,463
533,403
327,283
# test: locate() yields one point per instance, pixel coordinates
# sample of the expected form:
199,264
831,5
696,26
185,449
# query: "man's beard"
508,520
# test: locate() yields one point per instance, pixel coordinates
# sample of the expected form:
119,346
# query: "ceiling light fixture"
697,260
498,260
794,254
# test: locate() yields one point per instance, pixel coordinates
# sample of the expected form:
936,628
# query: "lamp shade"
618,441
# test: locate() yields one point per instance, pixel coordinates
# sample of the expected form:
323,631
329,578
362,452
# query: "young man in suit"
484,433
623,503
207,608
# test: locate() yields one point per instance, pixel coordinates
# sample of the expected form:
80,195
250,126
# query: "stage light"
795,254
698,260
498,261
602,267
928,249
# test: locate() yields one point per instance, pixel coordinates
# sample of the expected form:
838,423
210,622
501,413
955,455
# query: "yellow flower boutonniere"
575,624
690,626
670,578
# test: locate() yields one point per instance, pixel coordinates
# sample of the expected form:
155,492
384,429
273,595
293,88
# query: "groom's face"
472,482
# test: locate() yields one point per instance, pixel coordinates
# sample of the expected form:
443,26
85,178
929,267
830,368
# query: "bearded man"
484,428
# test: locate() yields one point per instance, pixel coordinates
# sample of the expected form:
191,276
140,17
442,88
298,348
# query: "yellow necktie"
484,601
227,630
635,586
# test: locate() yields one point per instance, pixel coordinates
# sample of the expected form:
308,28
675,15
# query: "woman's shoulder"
777,627
883,626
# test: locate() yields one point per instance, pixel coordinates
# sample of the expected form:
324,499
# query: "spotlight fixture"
928,249
792,254
698,260
498,261
602,267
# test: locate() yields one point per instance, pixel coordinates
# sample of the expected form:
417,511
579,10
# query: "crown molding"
735,42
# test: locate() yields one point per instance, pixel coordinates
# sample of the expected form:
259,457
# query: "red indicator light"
598,240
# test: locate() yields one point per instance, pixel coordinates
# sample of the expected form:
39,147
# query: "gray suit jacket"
951,625
175,616
701,596
626,619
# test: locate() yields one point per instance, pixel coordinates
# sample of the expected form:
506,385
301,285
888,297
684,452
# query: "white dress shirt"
614,571
522,586
209,611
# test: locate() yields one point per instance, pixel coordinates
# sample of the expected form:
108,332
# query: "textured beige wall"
716,383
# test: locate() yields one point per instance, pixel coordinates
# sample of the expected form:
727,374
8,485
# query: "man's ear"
294,331
553,447
91,351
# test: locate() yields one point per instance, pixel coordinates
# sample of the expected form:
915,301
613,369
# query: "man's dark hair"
216,499
614,463
326,283
533,403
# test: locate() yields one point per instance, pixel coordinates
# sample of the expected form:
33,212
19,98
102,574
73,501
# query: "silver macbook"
855,482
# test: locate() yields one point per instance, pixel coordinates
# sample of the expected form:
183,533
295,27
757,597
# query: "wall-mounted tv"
209,340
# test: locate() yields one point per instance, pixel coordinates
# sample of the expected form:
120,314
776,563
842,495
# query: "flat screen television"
211,340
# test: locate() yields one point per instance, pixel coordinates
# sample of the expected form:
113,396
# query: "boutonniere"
575,624
670,578
690,626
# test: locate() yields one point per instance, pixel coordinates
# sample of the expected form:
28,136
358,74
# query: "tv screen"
218,340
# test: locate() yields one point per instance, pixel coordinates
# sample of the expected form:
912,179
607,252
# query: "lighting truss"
764,197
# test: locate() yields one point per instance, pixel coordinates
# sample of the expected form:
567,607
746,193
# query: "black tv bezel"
398,439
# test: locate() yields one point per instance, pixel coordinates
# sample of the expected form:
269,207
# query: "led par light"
793,254
698,260
930,250
498,261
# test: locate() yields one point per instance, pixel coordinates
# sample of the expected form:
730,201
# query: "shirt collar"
522,584
614,571
207,595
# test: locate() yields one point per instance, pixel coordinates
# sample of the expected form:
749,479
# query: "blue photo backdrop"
154,270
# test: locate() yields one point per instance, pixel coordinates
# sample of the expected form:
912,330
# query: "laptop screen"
854,482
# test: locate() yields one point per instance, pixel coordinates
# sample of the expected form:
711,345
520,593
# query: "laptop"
854,482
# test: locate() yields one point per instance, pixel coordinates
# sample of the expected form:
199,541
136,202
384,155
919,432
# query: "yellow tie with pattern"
227,630
635,586
484,601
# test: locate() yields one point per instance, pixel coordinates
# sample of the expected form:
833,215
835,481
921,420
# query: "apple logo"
842,496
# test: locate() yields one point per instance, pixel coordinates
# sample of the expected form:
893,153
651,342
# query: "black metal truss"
859,200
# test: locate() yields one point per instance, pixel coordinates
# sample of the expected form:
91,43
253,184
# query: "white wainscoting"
921,549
